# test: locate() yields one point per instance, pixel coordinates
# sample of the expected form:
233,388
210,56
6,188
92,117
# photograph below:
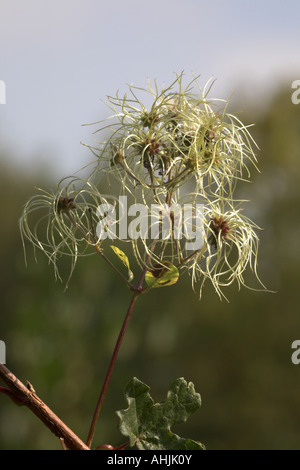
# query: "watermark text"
2,92
160,459
154,222
2,352
296,94
296,354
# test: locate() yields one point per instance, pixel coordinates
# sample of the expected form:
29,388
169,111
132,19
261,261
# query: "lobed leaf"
148,424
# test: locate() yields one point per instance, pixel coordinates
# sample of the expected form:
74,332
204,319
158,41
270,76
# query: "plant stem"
98,250
27,396
138,290
111,366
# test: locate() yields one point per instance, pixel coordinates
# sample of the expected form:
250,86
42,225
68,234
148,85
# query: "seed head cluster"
166,146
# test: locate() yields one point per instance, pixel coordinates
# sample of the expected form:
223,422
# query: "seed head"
182,147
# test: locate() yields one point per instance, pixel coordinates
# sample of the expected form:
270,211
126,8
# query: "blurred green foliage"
237,354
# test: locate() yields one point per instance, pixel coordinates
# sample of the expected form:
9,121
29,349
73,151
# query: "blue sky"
59,59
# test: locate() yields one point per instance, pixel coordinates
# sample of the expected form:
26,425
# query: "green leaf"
121,255
148,424
161,276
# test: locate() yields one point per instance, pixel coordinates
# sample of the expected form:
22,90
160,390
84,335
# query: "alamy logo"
154,222
2,352
296,354
2,92
296,93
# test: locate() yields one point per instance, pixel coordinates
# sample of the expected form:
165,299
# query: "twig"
26,396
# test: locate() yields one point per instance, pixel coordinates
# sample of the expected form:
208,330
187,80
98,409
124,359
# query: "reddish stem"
110,368
138,289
